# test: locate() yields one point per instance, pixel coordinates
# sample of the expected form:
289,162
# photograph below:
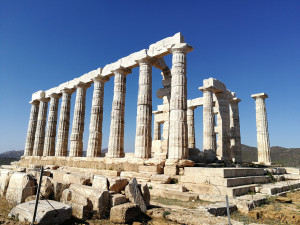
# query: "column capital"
209,88
68,90
122,70
101,79
55,95
34,102
147,60
181,48
191,107
235,100
83,85
44,99
259,95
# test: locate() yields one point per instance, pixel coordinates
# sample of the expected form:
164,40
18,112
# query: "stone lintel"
259,95
37,95
210,88
160,64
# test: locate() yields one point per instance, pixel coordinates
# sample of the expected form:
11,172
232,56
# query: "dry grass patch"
175,202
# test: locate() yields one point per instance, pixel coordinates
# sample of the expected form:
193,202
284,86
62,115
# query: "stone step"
177,195
292,176
279,187
293,170
140,177
225,182
237,191
222,172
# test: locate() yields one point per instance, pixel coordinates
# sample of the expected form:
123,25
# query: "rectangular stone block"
171,170
158,169
117,199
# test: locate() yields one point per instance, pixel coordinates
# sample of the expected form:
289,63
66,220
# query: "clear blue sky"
251,46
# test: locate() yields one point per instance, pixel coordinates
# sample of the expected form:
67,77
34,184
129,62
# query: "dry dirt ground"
281,210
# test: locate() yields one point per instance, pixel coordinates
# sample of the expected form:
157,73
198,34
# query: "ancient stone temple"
173,139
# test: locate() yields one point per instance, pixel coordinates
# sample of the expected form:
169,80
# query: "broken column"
191,127
95,138
76,144
64,123
143,138
156,131
49,146
40,129
209,136
263,143
235,142
178,137
116,136
31,128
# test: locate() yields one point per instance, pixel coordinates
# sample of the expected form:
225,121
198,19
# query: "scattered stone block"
21,186
47,188
99,198
220,209
160,178
59,187
145,193
124,213
4,181
117,184
100,182
182,196
171,170
117,199
133,193
45,212
156,169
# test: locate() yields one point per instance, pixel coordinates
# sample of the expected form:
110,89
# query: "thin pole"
37,196
228,211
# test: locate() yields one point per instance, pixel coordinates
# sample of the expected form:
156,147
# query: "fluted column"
31,128
61,148
209,135
191,127
143,140
95,138
40,129
116,136
178,136
263,143
76,144
223,127
235,145
49,146
156,131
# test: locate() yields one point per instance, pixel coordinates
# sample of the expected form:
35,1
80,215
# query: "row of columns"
40,143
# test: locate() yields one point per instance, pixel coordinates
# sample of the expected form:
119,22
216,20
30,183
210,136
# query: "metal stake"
228,211
37,196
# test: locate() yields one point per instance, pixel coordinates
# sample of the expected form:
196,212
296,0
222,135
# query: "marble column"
223,127
61,148
49,145
31,128
143,140
178,137
263,142
209,135
95,138
116,136
40,129
191,127
76,144
235,143
156,131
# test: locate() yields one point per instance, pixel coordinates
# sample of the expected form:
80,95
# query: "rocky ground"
280,210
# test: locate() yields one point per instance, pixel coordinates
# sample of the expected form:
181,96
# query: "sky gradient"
251,46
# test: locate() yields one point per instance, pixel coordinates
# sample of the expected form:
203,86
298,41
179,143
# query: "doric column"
156,131
40,129
31,128
61,148
263,143
223,127
116,136
95,138
191,127
49,146
209,135
76,144
178,136
143,140
235,145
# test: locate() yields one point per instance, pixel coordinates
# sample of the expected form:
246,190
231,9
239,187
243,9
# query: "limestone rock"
133,193
117,184
59,187
160,178
124,213
47,188
99,198
45,213
100,182
117,199
146,193
21,185
220,209
4,181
